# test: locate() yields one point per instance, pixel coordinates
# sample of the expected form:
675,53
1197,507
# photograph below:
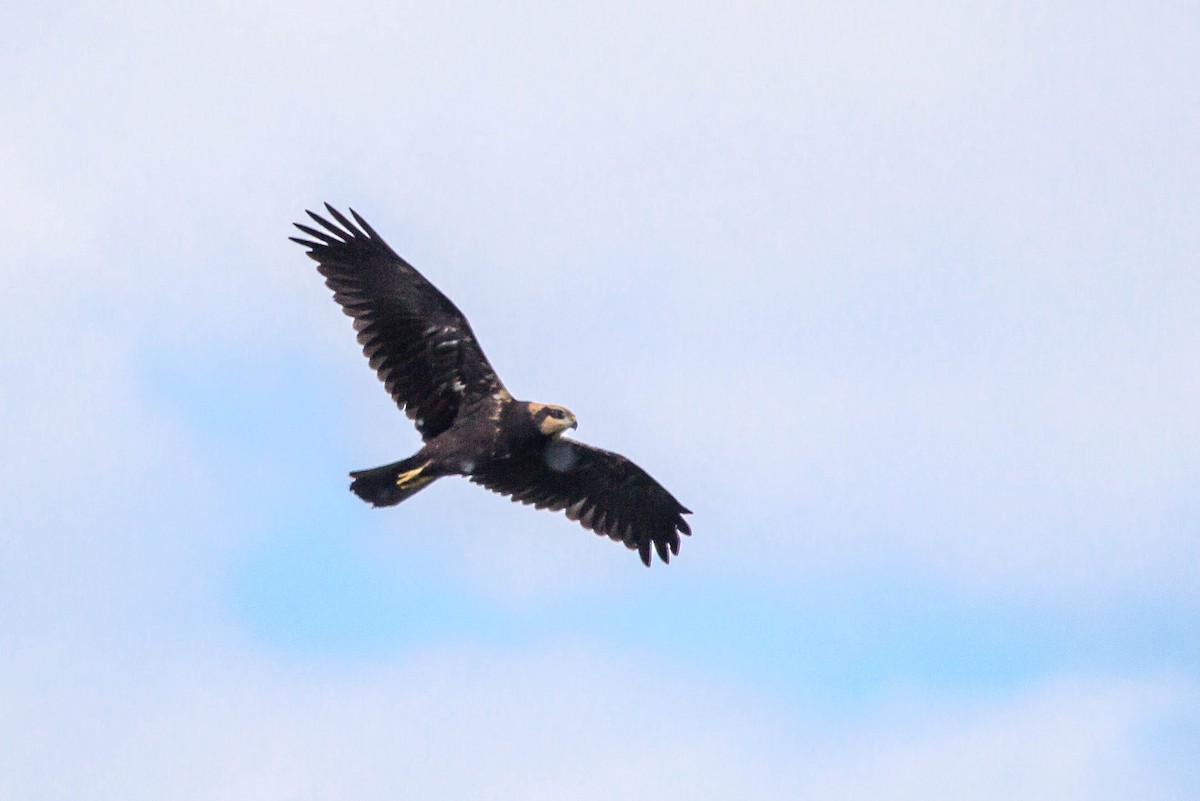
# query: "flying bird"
425,353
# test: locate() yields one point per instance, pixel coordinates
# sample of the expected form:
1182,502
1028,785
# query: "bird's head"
552,421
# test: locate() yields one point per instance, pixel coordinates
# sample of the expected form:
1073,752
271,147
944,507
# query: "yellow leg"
411,478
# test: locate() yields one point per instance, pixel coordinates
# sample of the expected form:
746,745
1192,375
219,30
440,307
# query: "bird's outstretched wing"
418,342
604,491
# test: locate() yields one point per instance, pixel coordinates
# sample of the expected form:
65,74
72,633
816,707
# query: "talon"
410,476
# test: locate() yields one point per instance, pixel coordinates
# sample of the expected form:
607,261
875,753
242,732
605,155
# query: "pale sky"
901,299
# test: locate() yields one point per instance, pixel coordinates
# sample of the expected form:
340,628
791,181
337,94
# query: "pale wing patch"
560,456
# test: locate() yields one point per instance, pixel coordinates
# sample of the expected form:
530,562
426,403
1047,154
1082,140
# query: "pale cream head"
552,421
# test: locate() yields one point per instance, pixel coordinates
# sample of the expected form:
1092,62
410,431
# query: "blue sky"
900,299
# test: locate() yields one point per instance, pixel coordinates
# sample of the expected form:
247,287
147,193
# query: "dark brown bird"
424,351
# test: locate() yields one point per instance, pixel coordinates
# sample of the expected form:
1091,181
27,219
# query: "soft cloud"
935,300
1066,740
893,297
490,724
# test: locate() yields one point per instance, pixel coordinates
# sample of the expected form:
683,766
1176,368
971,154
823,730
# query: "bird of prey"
423,350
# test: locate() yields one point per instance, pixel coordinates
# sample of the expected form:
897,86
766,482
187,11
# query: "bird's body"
496,429
424,351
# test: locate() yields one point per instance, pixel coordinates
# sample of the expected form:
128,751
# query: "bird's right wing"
417,341
604,491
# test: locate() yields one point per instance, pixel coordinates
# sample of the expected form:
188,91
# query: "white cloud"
869,287
490,724
1066,740
932,285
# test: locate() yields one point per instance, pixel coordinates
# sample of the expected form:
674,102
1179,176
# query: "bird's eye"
556,414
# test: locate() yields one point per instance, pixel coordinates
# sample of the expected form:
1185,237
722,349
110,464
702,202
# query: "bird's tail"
392,483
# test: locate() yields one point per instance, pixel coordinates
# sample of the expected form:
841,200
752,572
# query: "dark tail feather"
392,483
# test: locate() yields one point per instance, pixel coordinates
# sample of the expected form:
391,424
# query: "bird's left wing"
604,491
417,341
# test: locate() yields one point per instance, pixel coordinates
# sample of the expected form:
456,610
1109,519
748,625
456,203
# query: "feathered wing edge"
416,340
603,491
